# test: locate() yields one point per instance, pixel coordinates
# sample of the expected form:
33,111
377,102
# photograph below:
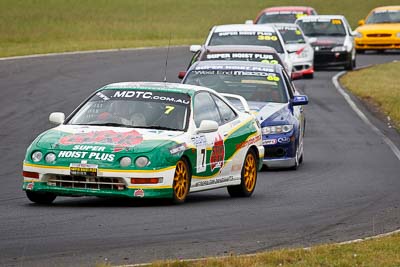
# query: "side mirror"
207,126
299,100
181,74
57,117
361,22
195,48
249,21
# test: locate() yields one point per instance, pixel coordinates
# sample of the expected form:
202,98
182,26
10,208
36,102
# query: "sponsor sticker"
268,142
218,153
138,193
29,186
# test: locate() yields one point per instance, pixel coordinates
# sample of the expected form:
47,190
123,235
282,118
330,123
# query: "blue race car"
271,96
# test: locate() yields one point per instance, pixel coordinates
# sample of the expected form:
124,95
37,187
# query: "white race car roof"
244,28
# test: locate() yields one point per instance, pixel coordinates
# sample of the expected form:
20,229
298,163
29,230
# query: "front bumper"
280,151
377,43
107,183
328,58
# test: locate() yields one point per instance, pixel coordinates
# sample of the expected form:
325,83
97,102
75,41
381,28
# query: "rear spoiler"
240,98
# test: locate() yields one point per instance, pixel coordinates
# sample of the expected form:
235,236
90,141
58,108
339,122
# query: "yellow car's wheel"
248,179
181,185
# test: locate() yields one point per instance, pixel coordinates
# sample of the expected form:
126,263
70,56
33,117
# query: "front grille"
379,35
81,182
274,152
321,59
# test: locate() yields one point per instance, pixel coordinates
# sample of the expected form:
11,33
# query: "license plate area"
81,169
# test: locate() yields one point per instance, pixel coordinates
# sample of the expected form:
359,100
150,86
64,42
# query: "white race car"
246,34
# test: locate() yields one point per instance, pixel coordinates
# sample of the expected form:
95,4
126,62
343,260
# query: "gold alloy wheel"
250,172
181,181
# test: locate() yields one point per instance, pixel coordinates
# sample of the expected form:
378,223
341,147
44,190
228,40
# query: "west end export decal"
120,140
217,154
142,95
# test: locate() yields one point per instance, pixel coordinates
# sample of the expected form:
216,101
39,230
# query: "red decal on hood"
119,139
217,153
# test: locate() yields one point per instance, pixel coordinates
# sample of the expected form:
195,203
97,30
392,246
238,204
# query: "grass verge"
378,88
373,252
35,27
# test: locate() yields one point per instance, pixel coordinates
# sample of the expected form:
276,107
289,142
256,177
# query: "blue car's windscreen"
247,38
135,108
252,85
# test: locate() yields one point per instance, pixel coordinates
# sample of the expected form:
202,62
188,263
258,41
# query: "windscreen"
135,108
291,35
247,38
252,84
280,17
384,16
269,58
329,27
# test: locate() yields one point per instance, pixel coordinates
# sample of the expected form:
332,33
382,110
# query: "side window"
289,85
205,109
227,114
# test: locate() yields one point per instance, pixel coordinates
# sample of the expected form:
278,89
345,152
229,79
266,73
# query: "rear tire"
248,178
41,198
181,184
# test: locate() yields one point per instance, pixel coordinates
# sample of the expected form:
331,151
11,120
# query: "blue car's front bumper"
280,150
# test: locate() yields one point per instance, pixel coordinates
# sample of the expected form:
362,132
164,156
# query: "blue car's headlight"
277,129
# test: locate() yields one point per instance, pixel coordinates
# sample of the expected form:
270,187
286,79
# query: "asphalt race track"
347,188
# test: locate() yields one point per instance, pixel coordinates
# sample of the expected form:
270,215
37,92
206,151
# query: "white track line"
87,52
363,117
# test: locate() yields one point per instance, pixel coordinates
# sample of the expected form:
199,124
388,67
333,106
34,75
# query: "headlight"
37,156
125,161
339,49
141,162
50,157
398,35
277,129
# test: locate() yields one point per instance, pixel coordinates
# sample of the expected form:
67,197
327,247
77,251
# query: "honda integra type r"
146,140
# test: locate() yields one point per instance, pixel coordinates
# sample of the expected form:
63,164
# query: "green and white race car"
146,140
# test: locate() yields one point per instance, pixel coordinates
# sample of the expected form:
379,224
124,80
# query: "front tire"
41,198
181,184
349,65
248,177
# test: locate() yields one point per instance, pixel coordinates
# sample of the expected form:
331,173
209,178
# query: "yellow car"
380,30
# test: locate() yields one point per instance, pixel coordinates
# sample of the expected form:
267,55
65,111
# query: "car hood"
328,41
379,27
277,112
105,139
